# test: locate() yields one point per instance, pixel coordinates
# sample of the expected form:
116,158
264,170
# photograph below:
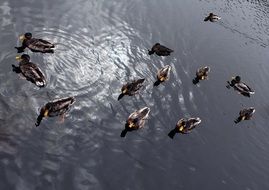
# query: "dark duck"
162,75
136,120
34,44
131,88
184,126
29,70
245,114
57,107
240,86
201,74
212,18
160,50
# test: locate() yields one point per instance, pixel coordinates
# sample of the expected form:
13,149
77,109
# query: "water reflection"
100,46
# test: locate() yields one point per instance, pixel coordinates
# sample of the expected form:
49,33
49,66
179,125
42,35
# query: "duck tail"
16,69
139,81
195,81
228,85
172,133
38,120
48,51
206,18
150,52
238,120
20,49
157,83
120,96
123,133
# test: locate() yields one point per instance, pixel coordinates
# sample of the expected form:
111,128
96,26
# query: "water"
100,46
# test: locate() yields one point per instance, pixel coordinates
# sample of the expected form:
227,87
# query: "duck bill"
22,37
181,128
18,58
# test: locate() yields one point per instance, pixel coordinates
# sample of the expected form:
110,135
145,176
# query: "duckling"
201,74
184,126
131,88
34,44
245,114
239,86
136,120
57,107
163,75
212,18
29,70
160,50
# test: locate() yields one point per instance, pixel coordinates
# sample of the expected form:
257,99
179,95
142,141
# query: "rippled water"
100,46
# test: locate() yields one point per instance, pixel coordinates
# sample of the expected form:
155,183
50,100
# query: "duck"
240,86
245,114
162,75
184,126
136,120
160,50
30,70
201,74
131,88
57,107
212,18
34,44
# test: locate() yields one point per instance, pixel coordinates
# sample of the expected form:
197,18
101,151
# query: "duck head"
23,57
181,125
152,51
164,74
27,36
44,112
237,79
124,91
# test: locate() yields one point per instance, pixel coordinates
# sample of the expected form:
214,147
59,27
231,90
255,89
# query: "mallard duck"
160,50
34,44
57,107
212,18
131,88
184,126
245,114
201,74
240,86
29,70
136,120
163,75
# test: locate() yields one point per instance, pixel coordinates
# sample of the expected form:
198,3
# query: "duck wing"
33,74
243,88
136,85
39,45
164,50
60,106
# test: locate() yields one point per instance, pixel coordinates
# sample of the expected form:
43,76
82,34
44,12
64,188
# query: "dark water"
101,45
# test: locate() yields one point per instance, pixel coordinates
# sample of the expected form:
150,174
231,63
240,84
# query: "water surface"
100,46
